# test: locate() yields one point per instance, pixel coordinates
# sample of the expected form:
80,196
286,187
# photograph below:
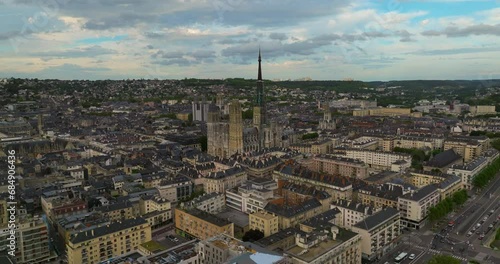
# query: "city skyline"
374,40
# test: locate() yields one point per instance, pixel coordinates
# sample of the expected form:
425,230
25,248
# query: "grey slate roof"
105,230
378,218
420,193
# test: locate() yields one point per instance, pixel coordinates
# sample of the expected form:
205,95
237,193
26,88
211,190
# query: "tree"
443,259
310,136
252,235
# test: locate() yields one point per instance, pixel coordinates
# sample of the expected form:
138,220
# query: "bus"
401,257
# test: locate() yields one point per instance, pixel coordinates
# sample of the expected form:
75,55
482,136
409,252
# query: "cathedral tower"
259,110
235,128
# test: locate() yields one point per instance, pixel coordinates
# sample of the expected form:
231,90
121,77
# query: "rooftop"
377,219
108,229
420,193
208,217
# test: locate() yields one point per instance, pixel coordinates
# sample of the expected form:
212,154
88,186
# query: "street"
473,223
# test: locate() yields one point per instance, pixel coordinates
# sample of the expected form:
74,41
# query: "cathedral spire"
259,77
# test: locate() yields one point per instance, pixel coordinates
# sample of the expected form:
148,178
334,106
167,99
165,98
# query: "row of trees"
447,205
486,175
310,136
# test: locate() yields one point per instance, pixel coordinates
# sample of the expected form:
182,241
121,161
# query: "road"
425,243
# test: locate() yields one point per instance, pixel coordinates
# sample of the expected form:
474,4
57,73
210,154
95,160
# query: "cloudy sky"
321,39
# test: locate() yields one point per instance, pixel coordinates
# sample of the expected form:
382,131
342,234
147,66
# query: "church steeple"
259,77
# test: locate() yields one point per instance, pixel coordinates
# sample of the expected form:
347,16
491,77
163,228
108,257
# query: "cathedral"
226,138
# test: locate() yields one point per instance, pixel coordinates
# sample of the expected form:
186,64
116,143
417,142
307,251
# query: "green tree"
310,136
443,259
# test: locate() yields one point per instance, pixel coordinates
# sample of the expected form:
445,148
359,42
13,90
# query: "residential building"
338,165
251,196
210,202
334,246
175,189
482,110
375,159
467,147
378,233
414,206
117,211
351,212
263,221
317,147
449,186
292,215
32,241
224,180
381,195
467,172
339,187
106,242
202,225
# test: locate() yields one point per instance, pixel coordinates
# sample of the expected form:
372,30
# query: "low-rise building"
381,195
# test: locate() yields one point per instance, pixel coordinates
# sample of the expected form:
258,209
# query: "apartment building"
423,178
482,110
317,147
418,142
351,212
175,189
414,206
32,241
449,186
105,242
117,211
381,195
251,196
210,202
202,225
292,215
339,187
263,221
339,166
467,172
375,159
467,147
378,233
335,246
224,180
156,210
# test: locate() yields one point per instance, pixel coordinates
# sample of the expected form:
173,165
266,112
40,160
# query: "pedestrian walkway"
435,251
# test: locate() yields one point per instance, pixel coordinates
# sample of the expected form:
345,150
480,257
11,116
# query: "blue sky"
320,39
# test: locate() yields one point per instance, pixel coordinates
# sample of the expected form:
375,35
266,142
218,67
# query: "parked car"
412,256
469,234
